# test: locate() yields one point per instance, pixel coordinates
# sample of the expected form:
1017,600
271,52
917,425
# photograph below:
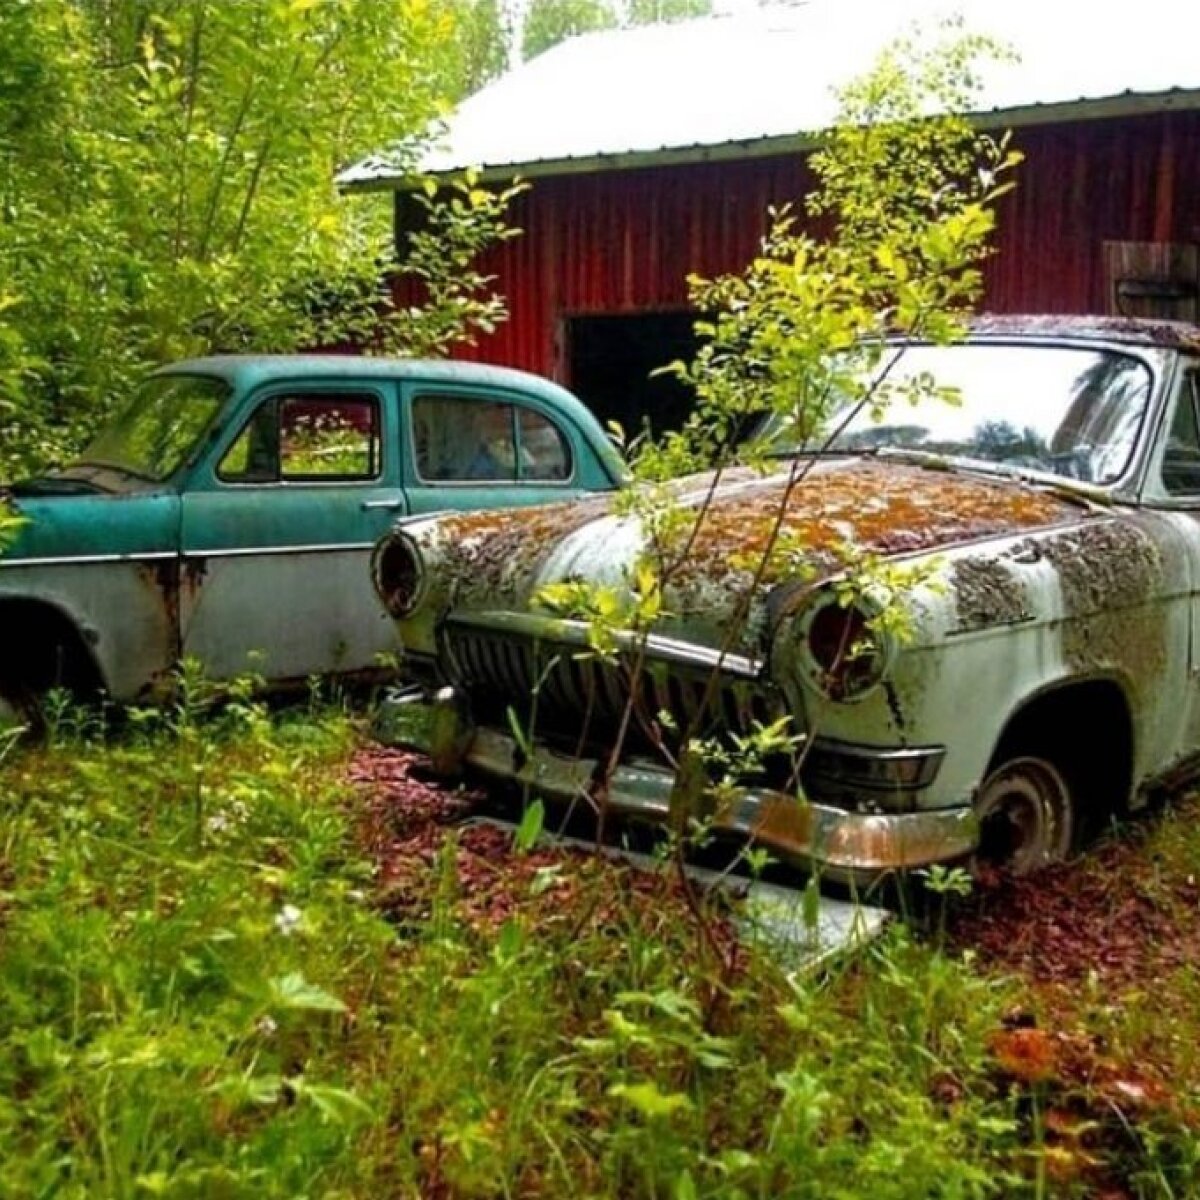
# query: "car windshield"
1066,411
159,428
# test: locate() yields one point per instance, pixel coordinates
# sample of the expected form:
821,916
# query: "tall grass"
199,997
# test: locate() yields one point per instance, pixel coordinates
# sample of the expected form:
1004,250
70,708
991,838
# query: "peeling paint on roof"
694,89
1167,335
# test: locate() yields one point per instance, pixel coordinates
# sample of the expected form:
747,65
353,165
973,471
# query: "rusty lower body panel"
841,843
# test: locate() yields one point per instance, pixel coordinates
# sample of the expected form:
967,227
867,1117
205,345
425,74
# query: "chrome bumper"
843,844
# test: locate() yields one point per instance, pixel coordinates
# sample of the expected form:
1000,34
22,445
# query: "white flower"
266,1025
287,919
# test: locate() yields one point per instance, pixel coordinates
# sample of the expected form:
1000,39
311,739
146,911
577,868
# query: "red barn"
656,152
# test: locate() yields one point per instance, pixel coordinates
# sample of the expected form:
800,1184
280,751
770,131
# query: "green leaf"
514,725
649,1101
811,905
294,993
530,828
336,1105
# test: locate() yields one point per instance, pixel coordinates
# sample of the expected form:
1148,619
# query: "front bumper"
841,843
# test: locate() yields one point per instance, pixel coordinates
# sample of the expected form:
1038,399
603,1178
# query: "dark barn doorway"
609,364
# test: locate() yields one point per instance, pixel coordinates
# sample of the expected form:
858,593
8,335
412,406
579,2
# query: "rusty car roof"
1161,334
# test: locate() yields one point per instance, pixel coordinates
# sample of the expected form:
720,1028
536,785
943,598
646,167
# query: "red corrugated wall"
625,241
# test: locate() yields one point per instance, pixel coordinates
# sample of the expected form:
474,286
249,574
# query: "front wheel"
1026,816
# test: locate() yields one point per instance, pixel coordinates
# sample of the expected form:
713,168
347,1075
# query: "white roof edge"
377,174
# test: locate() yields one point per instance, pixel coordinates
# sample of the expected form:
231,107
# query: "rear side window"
468,440
1181,455
307,436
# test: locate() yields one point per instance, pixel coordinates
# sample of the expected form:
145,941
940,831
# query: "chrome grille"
497,668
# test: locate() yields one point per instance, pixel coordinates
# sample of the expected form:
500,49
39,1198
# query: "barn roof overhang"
376,175
726,89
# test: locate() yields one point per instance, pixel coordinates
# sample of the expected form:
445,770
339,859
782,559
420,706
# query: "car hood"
502,560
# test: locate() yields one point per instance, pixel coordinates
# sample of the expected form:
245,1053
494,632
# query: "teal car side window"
467,440
307,436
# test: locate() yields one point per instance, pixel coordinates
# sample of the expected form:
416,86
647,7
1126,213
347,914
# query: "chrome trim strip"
874,766
247,551
840,842
69,560
164,555
541,627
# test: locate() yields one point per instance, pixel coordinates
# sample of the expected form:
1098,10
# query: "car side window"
545,453
1181,455
307,436
465,440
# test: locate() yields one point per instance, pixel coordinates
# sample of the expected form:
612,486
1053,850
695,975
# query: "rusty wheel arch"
1084,726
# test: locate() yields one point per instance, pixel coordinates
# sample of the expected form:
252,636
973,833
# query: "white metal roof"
723,85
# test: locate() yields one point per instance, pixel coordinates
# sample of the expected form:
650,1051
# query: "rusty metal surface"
502,558
1166,335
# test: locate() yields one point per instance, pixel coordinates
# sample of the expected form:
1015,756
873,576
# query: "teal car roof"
250,370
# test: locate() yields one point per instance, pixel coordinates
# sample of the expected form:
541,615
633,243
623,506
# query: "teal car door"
277,529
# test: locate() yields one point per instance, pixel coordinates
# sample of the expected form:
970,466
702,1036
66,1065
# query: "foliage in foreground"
198,997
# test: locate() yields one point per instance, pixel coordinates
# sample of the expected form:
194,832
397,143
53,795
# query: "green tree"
661,12
481,34
166,187
548,22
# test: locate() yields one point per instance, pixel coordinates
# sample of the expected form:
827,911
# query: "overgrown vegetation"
166,182
804,339
215,983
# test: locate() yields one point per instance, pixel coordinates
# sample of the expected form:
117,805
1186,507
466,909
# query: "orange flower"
1025,1054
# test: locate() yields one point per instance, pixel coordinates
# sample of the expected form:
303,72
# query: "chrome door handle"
397,505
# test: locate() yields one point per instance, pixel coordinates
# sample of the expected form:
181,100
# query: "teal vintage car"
229,513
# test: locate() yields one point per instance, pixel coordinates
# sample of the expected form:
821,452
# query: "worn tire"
1027,817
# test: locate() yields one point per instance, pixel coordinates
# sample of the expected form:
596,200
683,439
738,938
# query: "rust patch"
1108,573
985,594
161,577
1109,564
491,554
888,509
1167,335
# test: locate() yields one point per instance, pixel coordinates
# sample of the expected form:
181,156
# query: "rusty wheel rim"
1025,816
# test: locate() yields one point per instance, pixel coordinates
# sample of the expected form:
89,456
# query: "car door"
485,448
1173,493
277,530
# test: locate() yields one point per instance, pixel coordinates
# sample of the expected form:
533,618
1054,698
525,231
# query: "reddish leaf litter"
1105,917
1106,925
1086,940
406,820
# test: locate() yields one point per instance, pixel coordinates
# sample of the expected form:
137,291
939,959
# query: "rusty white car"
1048,679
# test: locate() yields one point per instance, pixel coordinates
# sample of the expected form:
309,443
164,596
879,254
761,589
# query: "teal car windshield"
1056,409
160,427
